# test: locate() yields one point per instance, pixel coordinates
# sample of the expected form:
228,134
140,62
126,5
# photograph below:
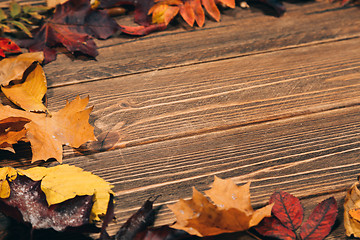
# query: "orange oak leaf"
230,211
13,68
29,95
47,133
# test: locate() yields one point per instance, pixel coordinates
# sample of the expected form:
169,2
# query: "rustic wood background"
274,101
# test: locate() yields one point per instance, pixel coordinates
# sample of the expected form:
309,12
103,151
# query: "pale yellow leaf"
53,3
13,68
29,95
64,182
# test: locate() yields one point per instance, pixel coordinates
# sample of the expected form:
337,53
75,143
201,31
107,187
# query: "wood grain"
189,100
239,33
317,151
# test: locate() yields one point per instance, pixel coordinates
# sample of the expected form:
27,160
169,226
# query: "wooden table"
274,101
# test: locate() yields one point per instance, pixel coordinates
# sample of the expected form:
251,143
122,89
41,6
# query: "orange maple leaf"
191,10
230,211
47,133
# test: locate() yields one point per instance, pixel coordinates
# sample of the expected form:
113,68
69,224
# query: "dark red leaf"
142,30
72,26
138,222
272,227
287,209
161,233
320,221
142,8
27,203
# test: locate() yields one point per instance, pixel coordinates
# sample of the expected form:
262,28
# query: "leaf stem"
253,235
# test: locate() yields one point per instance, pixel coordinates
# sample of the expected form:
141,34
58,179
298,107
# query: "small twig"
253,235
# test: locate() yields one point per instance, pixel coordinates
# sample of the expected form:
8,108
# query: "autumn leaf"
287,209
320,221
55,197
231,211
192,10
7,45
351,211
138,222
73,25
139,226
12,130
29,95
288,216
141,9
13,68
48,132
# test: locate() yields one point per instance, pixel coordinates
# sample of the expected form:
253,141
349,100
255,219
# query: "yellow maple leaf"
6,174
47,133
13,68
351,211
29,95
231,211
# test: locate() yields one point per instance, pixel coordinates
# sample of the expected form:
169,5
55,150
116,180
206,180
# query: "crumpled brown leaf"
231,211
47,133
13,68
352,210
29,94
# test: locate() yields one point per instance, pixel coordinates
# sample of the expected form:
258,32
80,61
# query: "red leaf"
161,233
272,227
142,8
320,221
287,209
72,26
142,30
6,45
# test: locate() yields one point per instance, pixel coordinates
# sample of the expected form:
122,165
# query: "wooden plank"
316,154
239,33
189,100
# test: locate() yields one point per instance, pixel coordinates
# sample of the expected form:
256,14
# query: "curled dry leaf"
231,211
47,133
29,95
351,211
13,68
56,197
11,131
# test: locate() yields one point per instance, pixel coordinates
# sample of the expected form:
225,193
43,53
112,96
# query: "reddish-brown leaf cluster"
288,217
73,25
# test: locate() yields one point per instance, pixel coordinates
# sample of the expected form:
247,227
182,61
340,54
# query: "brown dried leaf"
351,206
47,133
12,130
14,68
29,95
232,212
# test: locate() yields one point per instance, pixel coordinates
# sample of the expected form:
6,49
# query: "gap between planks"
314,43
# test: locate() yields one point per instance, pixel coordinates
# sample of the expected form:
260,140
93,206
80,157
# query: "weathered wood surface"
274,101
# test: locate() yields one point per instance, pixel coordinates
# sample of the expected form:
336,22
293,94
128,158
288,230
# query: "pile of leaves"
46,131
